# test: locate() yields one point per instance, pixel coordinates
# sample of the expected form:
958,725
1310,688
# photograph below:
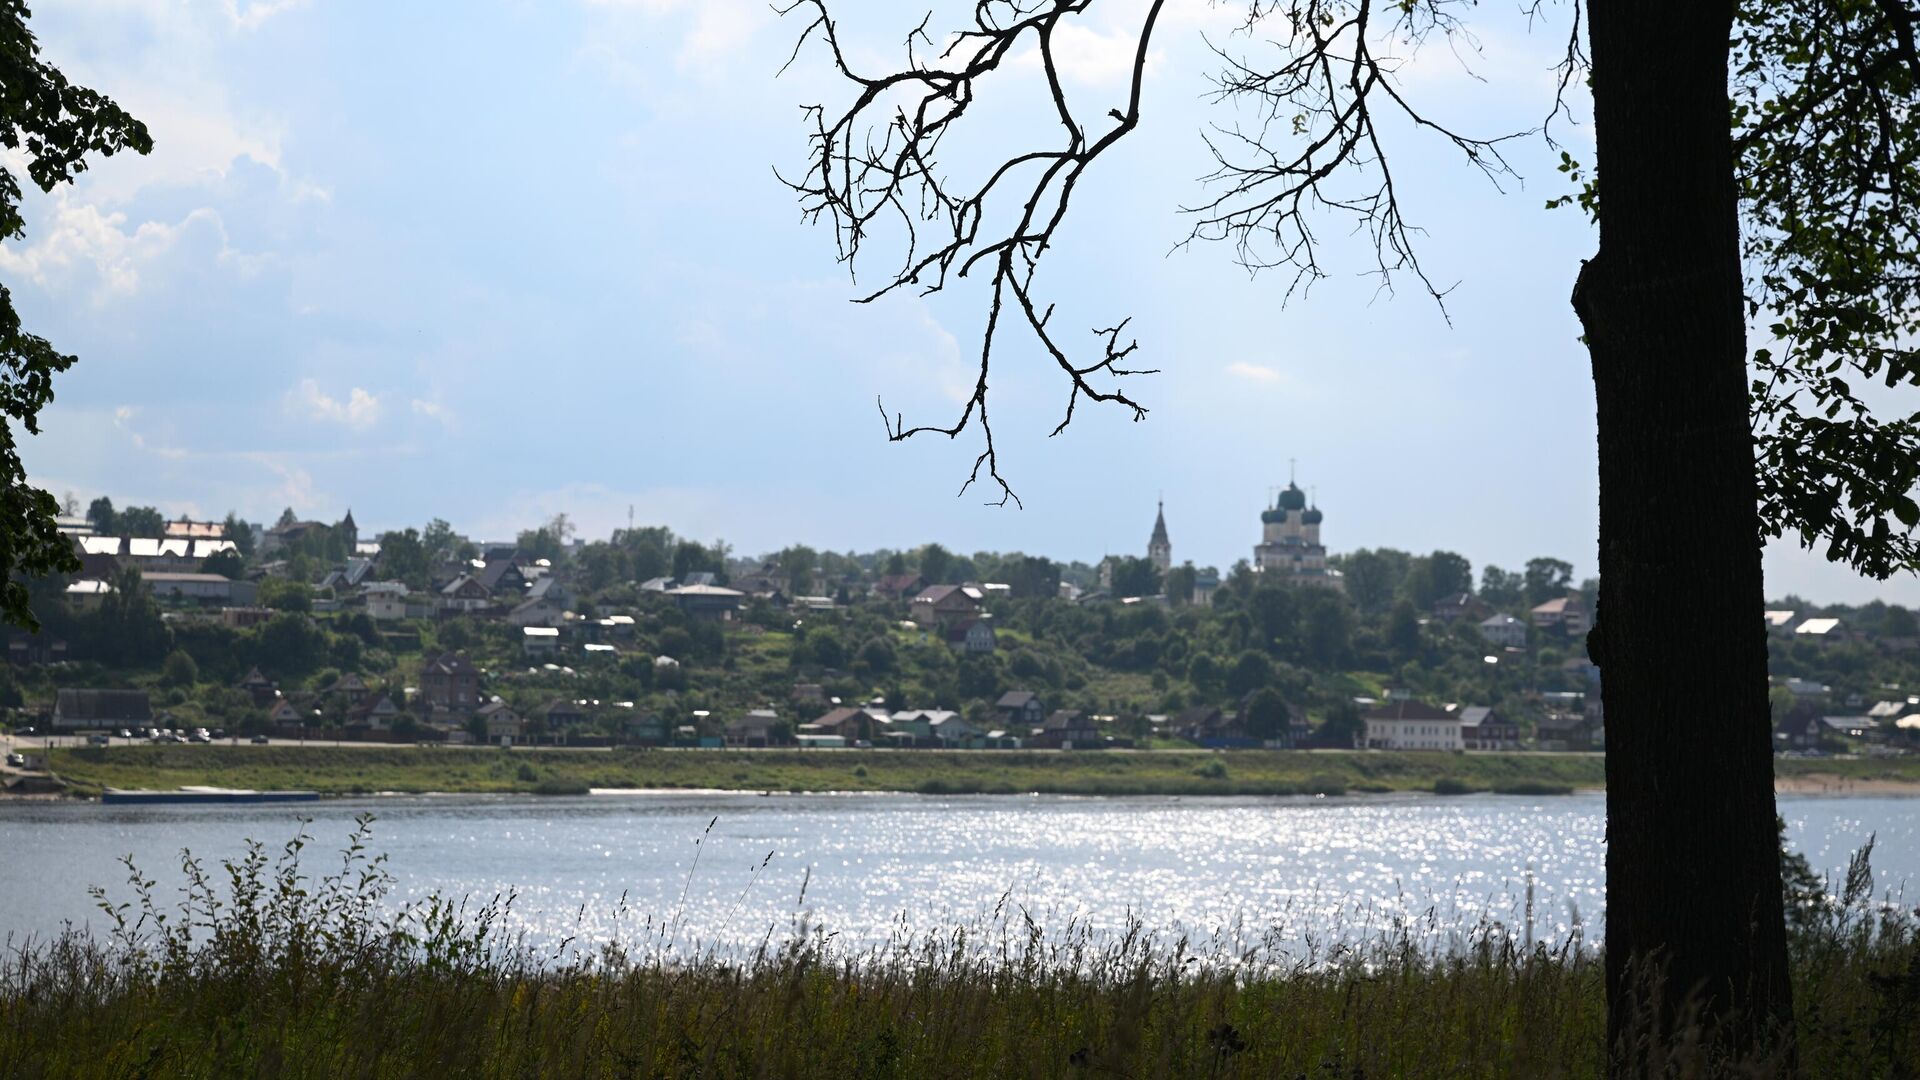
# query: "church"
1290,549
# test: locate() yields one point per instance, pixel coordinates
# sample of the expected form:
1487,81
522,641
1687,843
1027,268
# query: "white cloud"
249,15
359,411
714,33
80,237
1254,372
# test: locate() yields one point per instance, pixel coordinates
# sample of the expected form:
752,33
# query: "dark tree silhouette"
55,125
1822,149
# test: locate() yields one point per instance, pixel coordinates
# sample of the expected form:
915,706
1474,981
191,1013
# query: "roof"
495,708
103,705
452,588
89,587
1558,605
1063,720
934,594
1884,709
450,664
840,716
541,631
1015,699
1475,715
1779,619
497,569
715,591
1409,710
346,682
186,579
1817,626
1501,620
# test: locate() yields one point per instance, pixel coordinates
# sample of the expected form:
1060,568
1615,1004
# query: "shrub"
1452,785
1211,770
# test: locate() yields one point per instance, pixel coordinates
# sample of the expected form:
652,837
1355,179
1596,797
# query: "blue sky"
499,259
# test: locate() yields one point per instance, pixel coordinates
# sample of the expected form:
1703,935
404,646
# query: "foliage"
52,126
1826,112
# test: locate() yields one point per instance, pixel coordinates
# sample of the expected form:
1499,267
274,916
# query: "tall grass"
261,970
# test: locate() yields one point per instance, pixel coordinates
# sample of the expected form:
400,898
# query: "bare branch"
876,165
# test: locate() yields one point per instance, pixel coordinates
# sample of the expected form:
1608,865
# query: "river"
1302,872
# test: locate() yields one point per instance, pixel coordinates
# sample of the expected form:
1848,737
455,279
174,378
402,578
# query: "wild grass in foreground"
269,973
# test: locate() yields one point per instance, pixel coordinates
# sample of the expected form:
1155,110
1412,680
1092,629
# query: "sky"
502,259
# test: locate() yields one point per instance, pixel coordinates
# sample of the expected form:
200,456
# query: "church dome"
1312,516
1275,516
1293,498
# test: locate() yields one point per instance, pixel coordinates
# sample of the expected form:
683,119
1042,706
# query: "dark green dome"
1275,516
1312,516
1293,499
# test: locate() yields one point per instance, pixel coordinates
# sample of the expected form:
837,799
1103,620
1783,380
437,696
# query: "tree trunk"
1693,860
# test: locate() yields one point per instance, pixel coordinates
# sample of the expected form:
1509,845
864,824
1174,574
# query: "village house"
1068,729
504,726
1566,614
204,589
260,688
952,732
349,688
30,650
1799,731
540,640
1567,730
1021,710
562,717
452,682
1504,631
1482,728
711,602
1208,726
376,713
851,724
287,716
1412,725
465,593
90,710
971,636
755,727
941,605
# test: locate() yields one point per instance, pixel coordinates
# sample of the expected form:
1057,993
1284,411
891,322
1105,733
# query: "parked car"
200,736
16,761
98,740
126,733
258,740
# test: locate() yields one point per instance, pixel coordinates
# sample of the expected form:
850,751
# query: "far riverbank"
362,770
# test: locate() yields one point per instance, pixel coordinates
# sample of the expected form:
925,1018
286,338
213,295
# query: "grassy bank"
276,974
364,769
350,770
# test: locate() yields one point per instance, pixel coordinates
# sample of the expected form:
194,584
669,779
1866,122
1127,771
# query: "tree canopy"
55,126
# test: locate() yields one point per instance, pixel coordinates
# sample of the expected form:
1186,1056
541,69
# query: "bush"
526,773
1212,770
1453,785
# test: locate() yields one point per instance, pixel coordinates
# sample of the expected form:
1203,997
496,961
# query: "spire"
1160,527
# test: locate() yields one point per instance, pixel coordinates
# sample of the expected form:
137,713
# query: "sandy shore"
1820,784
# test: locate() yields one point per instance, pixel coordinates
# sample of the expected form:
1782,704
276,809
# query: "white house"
1504,630
1413,725
540,640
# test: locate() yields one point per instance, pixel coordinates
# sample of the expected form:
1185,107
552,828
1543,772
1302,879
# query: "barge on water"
194,795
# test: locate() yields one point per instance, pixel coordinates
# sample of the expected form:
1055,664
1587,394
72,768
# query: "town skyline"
288,304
